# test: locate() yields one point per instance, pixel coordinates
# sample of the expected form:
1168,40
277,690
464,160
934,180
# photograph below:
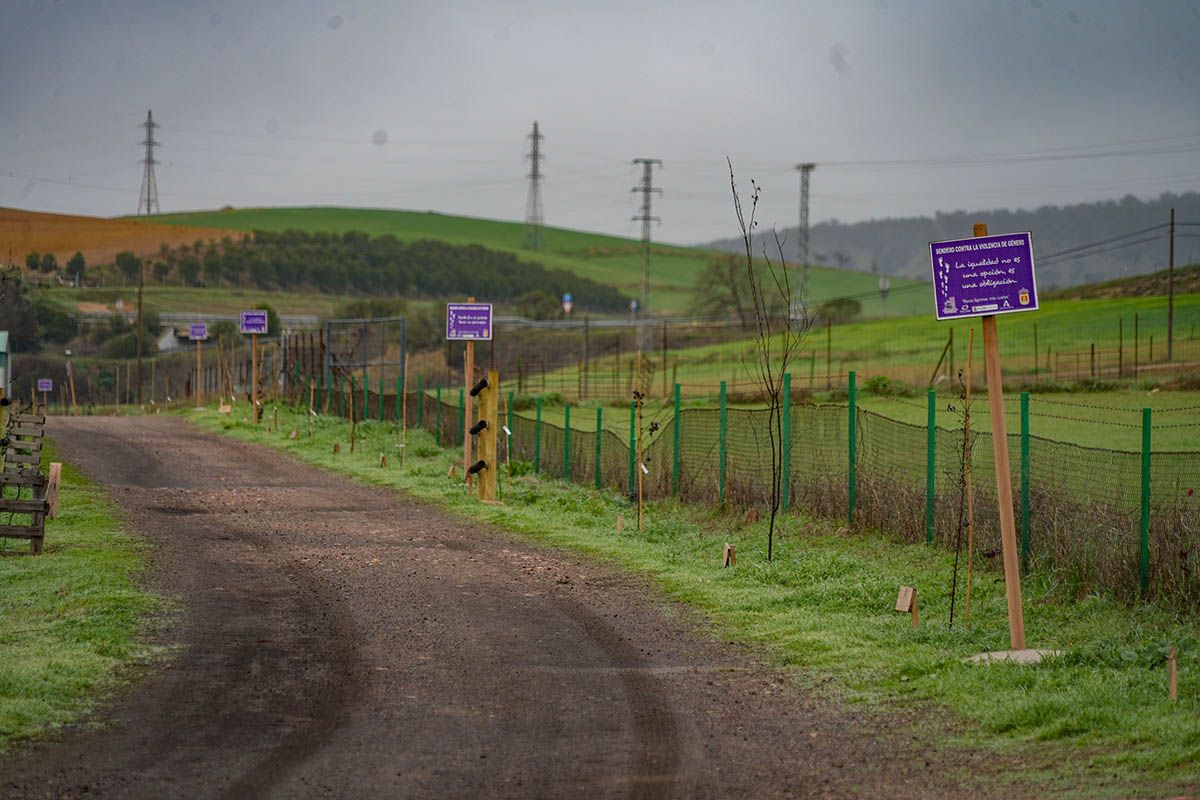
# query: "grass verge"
70,618
822,608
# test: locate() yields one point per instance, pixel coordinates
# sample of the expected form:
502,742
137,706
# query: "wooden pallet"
23,488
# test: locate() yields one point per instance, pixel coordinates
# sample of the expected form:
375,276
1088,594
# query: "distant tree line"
354,262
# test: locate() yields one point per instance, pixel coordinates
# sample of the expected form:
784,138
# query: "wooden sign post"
468,322
983,277
254,322
1008,528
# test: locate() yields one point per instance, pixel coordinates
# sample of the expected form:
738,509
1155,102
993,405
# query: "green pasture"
607,259
1108,420
71,618
1093,722
909,348
201,300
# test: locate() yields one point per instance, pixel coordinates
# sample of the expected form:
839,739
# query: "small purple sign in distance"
469,321
45,385
254,322
983,275
198,331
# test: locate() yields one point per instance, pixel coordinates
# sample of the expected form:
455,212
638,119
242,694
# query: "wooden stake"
729,557
74,407
1172,676
468,408
1008,528
620,522
914,608
254,380
199,377
52,489
970,490
640,472
312,393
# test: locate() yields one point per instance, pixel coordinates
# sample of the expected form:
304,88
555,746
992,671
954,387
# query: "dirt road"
336,640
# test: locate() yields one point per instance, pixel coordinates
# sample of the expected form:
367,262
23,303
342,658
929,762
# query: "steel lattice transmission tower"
148,199
533,203
805,171
646,187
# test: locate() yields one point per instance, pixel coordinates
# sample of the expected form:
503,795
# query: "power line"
148,197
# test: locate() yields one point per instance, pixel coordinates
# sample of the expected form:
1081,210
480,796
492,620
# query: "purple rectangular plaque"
253,322
983,275
198,331
45,385
469,321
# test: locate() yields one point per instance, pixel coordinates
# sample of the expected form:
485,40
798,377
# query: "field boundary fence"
1123,521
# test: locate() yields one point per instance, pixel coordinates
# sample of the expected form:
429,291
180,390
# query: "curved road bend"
336,640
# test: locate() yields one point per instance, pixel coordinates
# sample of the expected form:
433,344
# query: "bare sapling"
781,323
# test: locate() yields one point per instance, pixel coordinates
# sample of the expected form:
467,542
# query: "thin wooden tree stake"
970,491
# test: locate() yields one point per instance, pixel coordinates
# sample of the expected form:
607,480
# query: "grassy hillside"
608,259
908,349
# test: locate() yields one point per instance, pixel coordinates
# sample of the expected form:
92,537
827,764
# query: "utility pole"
1171,288
805,171
533,204
148,198
646,187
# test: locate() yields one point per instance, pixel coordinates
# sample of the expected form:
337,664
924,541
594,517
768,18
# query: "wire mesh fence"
1121,521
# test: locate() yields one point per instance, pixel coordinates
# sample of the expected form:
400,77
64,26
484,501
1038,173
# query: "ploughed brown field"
99,239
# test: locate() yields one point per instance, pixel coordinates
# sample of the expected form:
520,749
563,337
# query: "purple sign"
983,275
198,331
469,321
254,322
45,385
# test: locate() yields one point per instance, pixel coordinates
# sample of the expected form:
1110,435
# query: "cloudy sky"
906,107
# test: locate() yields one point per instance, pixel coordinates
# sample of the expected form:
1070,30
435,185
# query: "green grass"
200,300
1109,420
822,609
607,259
908,349
70,618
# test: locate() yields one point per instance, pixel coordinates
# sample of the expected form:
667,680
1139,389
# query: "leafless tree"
782,322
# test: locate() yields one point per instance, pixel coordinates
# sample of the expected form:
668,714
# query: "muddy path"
337,640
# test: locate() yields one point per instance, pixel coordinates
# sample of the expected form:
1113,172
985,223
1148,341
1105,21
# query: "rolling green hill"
608,259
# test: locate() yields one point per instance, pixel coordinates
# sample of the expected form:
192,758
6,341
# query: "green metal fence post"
462,415
675,457
537,440
1024,481
510,413
567,444
420,400
1144,564
632,446
721,446
599,438
853,472
930,463
341,396
508,437
381,397
437,425
786,476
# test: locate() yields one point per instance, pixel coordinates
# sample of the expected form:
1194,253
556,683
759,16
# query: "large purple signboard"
983,275
469,321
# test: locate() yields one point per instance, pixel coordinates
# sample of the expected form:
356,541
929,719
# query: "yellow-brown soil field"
99,239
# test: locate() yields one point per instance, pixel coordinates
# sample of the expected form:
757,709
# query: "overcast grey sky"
425,105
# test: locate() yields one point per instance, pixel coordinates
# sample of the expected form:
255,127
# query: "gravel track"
338,640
